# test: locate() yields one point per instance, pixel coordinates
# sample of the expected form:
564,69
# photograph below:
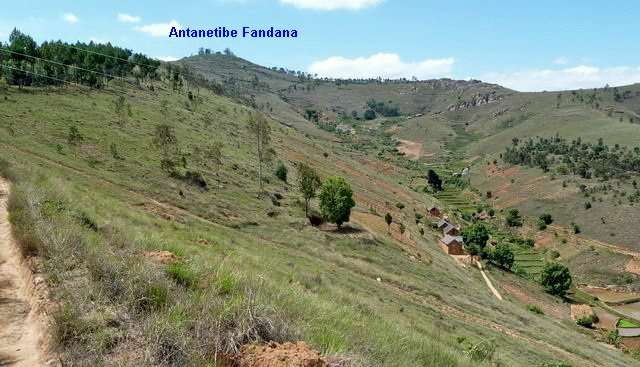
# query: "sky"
524,45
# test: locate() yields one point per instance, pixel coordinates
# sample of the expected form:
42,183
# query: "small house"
450,230
452,245
434,211
442,223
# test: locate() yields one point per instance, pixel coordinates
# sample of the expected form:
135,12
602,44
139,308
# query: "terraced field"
455,200
528,261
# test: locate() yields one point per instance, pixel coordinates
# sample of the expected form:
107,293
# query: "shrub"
475,238
513,218
542,225
196,178
369,114
225,283
535,309
281,171
585,321
400,206
482,351
74,137
5,170
23,223
576,228
546,218
503,256
613,337
336,200
556,279
587,205
182,274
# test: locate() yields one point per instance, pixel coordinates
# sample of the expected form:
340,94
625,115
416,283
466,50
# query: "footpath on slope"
488,281
22,329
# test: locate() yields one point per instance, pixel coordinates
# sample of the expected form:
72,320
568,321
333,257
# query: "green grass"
623,323
254,270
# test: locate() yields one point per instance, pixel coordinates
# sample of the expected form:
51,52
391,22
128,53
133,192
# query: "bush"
336,200
475,238
586,321
196,178
182,274
5,170
369,114
503,256
281,171
535,309
400,206
23,223
576,228
556,279
546,218
513,218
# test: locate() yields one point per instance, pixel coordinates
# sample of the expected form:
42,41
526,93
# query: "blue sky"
525,45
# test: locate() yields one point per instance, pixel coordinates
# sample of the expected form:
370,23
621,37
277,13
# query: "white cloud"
70,18
158,29
126,18
167,58
332,4
561,60
385,65
578,77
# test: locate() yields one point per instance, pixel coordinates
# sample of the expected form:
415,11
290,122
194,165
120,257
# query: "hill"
159,248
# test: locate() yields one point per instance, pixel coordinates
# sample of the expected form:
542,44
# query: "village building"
442,223
450,230
434,211
452,245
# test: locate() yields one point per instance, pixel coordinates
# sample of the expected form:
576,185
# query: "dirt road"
21,329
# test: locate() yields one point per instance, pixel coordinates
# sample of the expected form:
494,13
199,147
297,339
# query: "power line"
88,88
110,56
45,76
61,64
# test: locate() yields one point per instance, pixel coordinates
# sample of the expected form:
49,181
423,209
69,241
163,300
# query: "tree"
475,238
74,137
308,182
434,180
556,279
259,126
503,256
513,218
122,109
369,114
336,200
388,219
546,218
281,171
164,137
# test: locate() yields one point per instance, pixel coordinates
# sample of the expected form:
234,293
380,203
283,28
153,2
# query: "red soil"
280,355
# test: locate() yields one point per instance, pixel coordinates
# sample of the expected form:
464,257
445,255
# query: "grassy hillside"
89,196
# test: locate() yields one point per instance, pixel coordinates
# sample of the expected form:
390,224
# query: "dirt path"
21,330
488,281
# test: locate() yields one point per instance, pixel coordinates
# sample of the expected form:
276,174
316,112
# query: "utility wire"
110,56
70,66
45,76
88,88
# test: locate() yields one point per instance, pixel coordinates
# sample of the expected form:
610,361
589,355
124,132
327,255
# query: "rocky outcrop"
477,100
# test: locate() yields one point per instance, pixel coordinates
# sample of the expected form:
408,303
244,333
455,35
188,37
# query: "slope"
242,254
